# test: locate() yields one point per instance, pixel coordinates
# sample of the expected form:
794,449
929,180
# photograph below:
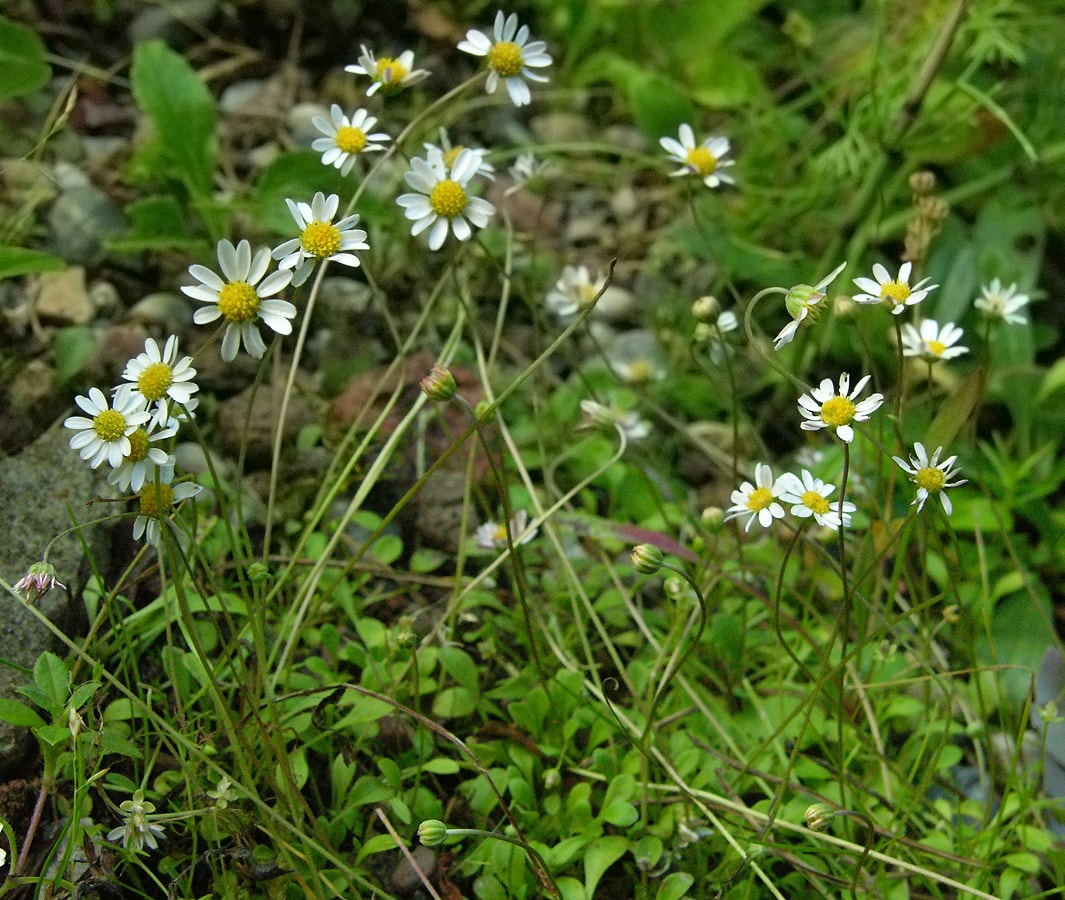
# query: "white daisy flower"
573,291
143,460
493,535
705,160
106,435
804,305
241,298
509,56
442,201
1002,303
388,73
612,418
895,293
448,152
137,832
319,238
758,500
525,169
930,475
345,138
636,357
809,497
157,499
932,342
824,407
159,377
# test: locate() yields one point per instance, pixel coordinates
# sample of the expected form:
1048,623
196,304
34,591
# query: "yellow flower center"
390,71
586,293
155,381
500,535
936,348
815,502
138,446
931,479
156,499
640,370
505,57
238,302
350,139
451,155
898,292
837,411
321,239
702,161
760,498
109,425
448,199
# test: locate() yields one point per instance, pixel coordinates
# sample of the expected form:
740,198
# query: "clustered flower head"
389,74
346,137
510,56
614,418
1002,303
931,475
895,293
932,342
320,239
758,501
441,201
137,832
704,161
827,407
493,535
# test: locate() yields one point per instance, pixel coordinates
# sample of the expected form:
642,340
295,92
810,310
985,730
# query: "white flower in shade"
930,475
447,152
160,378
106,435
493,535
157,499
320,239
809,497
704,161
345,138
241,298
804,304
573,291
1002,303
137,832
932,342
896,293
824,407
758,501
38,581
614,418
442,201
636,357
526,169
509,56
388,74
143,460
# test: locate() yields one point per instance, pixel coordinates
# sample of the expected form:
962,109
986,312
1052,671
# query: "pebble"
300,122
80,220
164,308
259,435
105,298
63,299
241,96
34,385
341,296
404,881
171,22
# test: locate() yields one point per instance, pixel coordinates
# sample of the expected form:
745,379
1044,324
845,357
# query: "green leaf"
460,666
72,348
83,693
659,105
674,886
15,713
16,261
601,854
52,679
377,844
111,741
23,68
182,111
956,410
620,813
157,223
454,703
52,735
1026,862
441,766
294,176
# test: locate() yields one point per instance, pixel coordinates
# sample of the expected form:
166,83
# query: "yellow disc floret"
390,70
238,302
837,411
451,155
936,348
448,199
138,446
931,479
760,498
896,292
815,502
701,161
505,57
321,239
155,381
350,139
109,425
156,499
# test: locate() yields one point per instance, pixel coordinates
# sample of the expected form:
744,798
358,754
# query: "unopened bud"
257,572
818,816
706,309
713,519
922,182
439,384
646,559
432,832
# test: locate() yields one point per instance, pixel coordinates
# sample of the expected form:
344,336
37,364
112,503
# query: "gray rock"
341,296
81,219
105,298
169,310
175,23
300,120
63,299
38,490
241,96
404,880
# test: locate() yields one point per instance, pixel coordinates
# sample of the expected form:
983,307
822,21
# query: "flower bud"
922,182
439,384
646,559
432,832
817,816
258,572
713,519
706,309
74,722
